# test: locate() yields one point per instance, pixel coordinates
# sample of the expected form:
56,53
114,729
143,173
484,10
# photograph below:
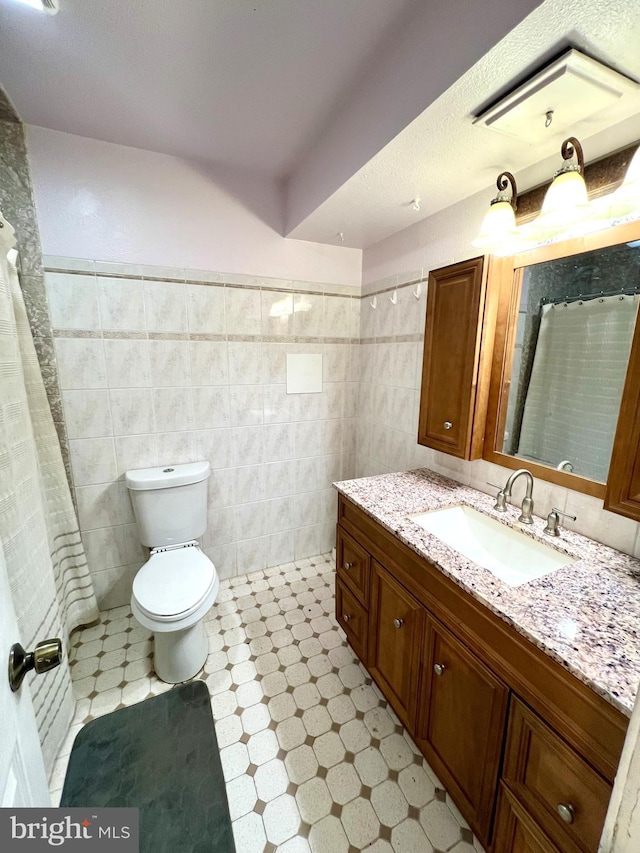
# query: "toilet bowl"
172,593
177,586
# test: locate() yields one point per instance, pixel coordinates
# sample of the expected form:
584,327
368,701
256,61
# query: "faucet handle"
553,519
501,499
565,514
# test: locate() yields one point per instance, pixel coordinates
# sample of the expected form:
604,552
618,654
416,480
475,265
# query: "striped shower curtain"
578,374
50,583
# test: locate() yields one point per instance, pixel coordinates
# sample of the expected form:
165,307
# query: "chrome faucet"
505,493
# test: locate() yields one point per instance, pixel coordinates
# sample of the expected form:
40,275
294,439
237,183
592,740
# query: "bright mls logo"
33,830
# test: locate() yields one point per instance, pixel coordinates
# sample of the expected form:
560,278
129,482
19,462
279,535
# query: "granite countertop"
586,616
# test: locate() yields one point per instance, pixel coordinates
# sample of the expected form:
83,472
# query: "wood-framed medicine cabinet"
522,393
579,283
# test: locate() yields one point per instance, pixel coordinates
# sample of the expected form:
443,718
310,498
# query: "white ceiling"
245,83
259,84
442,157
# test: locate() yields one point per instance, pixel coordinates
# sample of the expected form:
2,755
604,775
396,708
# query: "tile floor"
314,758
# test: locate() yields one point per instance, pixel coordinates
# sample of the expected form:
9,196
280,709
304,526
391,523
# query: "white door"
23,781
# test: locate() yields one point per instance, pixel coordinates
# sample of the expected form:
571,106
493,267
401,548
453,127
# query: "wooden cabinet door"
516,832
462,723
564,795
452,339
396,620
623,483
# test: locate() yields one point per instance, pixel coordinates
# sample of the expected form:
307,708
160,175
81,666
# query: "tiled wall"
392,338
166,366
391,342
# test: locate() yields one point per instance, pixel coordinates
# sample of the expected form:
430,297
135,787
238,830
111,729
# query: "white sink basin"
508,554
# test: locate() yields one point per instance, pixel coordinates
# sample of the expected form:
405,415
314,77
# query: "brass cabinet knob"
46,655
566,811
398,623
346,617
348,566
439,668
448,425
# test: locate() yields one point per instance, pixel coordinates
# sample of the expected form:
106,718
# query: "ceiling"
282,87
442,157
245,83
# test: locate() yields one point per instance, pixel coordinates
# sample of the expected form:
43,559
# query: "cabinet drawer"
353,566
563,793
516,832
353,618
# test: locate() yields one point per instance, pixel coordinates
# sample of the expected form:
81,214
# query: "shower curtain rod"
587,297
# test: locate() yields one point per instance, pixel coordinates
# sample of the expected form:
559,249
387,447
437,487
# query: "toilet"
177,586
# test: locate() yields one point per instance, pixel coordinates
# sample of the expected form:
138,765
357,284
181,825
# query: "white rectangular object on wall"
304,374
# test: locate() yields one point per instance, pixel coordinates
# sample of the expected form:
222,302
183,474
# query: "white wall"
434,242
107,202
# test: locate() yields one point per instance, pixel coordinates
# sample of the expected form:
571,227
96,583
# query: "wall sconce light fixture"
566,201
499,223
566,209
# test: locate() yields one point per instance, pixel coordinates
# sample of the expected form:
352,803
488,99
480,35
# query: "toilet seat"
174,583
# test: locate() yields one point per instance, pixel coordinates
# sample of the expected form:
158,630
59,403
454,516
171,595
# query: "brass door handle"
46,655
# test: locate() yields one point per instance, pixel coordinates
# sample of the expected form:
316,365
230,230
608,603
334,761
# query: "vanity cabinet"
512,734
463,707
396,632
623,485
454,381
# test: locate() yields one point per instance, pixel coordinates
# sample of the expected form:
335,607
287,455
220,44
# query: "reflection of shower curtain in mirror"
577,378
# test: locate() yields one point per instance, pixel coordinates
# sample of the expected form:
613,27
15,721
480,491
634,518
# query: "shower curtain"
50,583
578,373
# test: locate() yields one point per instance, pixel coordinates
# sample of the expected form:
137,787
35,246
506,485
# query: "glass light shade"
498,227
625,201
565,203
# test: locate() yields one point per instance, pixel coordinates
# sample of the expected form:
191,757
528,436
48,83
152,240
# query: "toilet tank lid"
168,476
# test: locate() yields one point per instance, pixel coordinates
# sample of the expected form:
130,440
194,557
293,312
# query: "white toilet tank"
170,503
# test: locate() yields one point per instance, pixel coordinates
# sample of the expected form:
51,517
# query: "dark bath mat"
162,756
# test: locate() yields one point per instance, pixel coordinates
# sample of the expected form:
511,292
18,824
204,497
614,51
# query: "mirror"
570,328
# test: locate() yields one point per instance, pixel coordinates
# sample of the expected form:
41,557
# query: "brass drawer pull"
439,668
346,617
348,566
398,623
448,424
566,811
